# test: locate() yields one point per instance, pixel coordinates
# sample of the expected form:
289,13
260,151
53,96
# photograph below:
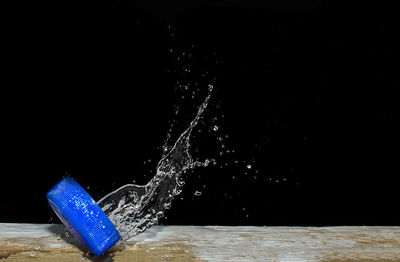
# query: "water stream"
134,208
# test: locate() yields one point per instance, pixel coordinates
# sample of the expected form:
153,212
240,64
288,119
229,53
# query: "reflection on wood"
40,242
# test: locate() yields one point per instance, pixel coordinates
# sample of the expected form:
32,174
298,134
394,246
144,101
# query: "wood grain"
41,242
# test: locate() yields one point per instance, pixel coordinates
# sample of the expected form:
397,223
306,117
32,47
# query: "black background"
304,93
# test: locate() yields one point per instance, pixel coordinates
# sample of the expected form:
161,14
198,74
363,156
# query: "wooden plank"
42,242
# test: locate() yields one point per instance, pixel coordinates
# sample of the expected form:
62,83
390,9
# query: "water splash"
134,208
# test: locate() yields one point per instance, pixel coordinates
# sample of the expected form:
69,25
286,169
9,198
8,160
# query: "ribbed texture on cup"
82,216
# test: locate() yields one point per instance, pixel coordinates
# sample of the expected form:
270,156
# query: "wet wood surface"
43,242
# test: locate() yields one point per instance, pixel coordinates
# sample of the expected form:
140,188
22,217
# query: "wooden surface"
40,242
